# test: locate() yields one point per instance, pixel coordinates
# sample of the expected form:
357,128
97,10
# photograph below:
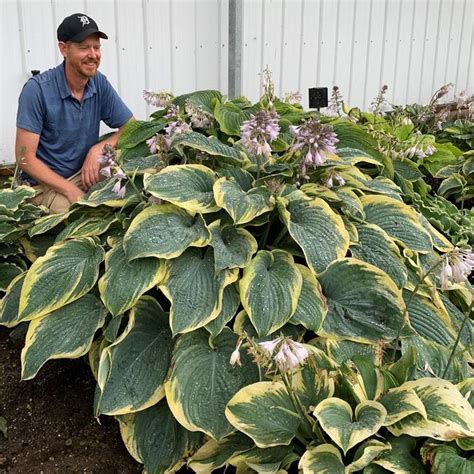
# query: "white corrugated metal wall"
413,46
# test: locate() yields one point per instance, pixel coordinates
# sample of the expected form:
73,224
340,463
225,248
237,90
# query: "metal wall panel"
413,46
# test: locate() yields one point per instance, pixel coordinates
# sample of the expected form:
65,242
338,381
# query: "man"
59,114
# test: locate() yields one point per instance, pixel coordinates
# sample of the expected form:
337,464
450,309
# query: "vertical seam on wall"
53,14
450,30
470,59
460,46
423,51
22,37
436,47
262,47
384,41
318,46
282,46
219,47
147,52
334,72
410,52
171,46
397,47
117,54
354,14
367,55
196,47
300,59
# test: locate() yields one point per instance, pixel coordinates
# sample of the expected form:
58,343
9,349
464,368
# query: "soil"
50,426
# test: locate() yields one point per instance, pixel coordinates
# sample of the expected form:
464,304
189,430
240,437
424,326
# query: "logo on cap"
84,20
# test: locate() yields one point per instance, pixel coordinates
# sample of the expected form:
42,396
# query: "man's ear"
62,48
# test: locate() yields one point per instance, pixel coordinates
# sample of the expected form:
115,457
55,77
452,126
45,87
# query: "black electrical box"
318,97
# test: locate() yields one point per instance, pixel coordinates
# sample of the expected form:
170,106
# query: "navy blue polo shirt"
67,128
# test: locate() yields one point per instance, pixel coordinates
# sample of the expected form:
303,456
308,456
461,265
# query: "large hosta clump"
225,224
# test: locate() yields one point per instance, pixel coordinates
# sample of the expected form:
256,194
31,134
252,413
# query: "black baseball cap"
77,27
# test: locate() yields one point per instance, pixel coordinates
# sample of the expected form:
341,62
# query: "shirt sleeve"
30,114
114,112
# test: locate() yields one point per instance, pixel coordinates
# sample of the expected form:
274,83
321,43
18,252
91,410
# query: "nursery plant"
251,289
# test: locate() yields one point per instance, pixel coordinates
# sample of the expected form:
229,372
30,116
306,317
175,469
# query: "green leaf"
8,271
401,402
67,271
64,333
336,419
230,117
452,185
317,229
11,199
352,287
137,131
204,373
88,225
407,169
132,370
312,384
447,459
376,247
124,282
10,302
230,304
271,460
153,437
399,459
312,308
270,289
448,414
398,220
140,165
233,246
186,186
194,289
102,194
443,156
242,206
325,458
203,98
264,412
164,231
46,223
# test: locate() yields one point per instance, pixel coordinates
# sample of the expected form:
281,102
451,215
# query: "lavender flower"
235,356
259,130
457,266
119,189
269,346
268,86
176,128
198,116
158,99
330,183
312,139
293,98
172,112
109,155
290,353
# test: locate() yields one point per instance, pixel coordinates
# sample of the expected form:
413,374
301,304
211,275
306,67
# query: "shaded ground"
49,420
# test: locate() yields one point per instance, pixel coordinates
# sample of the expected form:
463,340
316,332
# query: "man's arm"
91,167
25,150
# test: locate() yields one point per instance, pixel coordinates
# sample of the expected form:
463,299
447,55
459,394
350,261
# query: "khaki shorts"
54,201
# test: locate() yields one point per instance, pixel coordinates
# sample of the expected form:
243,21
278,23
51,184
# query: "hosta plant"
250,289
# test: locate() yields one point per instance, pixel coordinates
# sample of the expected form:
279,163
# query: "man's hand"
90,168
73,193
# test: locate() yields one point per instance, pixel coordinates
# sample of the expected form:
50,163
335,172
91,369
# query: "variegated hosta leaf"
336,419
87,226
64,333
215,454
102,194
377,248
313,384
265,460
366,453
364,380
233,246
10,302
186,186
312,307
67,271
446,459
164,231
8,271
10,199
325,458
269,290
264,412
153,437
398,220
364,302
243,206
440,242
45,223
449,415
317,229
202,381
399,459
428,321
124,282
210,146
204,99
401,402
132,370
194,289
230,304
341,350
230,117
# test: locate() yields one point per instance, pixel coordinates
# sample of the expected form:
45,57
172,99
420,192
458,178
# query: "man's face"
83,57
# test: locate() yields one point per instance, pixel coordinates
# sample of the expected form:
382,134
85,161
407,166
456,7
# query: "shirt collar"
64,90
